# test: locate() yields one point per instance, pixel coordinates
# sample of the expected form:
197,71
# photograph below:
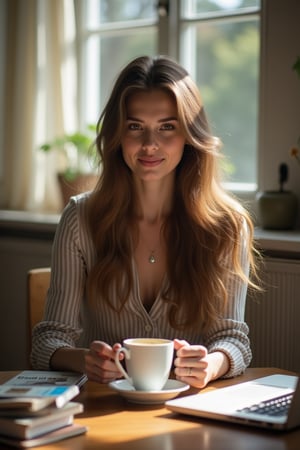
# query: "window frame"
170,24
245,191
105,30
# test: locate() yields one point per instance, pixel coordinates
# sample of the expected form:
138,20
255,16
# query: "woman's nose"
149,140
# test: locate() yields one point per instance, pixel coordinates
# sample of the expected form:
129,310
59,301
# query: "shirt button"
148,328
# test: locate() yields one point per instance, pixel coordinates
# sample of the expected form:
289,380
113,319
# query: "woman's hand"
194,366
191,364
100,362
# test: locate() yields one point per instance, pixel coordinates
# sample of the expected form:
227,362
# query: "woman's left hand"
191,364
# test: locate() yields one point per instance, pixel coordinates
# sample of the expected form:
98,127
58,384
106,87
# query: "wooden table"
115,424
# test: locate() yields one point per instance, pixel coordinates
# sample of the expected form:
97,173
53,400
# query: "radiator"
274,317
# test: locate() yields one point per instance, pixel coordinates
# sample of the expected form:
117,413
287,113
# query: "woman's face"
152,140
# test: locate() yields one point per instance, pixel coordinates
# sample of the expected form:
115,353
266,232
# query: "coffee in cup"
148,362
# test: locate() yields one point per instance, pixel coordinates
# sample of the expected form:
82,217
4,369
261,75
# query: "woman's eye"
167,127
134,126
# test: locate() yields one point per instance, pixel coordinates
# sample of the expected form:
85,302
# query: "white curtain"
40,98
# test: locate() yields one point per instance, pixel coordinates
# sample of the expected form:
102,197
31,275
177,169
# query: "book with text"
47,377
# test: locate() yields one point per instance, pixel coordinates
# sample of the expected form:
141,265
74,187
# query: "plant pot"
277,210
82,183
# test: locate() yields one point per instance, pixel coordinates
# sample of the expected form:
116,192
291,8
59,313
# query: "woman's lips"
150,162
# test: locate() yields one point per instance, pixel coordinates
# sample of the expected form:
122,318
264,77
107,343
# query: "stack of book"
36,408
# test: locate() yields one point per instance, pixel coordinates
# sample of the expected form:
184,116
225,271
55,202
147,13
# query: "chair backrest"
38,281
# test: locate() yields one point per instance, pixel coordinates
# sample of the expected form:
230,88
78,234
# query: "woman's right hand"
100,362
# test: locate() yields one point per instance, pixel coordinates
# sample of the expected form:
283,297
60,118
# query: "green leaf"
83,143
46,147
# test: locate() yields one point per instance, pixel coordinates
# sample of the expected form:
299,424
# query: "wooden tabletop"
115,424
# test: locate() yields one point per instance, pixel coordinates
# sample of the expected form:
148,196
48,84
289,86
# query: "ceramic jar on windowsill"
277,210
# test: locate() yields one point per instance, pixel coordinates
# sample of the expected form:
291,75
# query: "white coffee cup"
148,362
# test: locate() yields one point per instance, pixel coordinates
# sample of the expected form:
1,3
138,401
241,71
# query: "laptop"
271,402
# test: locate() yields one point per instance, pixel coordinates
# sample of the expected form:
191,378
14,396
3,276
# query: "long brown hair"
207,227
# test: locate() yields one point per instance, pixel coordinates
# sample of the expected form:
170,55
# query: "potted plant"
78,161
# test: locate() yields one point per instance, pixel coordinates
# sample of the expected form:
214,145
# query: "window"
222,38
216,40
113,33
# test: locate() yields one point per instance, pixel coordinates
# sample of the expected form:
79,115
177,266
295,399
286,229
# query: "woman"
159,249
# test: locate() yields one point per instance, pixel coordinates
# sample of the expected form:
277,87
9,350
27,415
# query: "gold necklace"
152,259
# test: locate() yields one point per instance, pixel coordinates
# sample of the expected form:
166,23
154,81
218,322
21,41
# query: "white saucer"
171,389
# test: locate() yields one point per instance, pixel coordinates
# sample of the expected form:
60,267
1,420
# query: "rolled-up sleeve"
231,337
47,338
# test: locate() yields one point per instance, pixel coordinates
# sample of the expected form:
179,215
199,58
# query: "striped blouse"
69,321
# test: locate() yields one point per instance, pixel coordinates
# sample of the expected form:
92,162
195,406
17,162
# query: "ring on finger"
189,371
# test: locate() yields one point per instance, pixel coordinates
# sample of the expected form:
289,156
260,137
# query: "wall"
280,93
23,245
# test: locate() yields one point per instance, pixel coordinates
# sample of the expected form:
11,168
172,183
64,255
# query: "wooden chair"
38,281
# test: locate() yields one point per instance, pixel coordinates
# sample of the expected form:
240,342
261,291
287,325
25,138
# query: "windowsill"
279,243
28,224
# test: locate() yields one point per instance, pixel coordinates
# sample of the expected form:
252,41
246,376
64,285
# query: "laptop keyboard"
276,407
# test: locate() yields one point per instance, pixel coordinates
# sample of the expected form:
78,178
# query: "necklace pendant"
152,259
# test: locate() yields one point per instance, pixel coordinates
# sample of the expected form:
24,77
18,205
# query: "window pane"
115,31
224,60
108,11
192,8
105,56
